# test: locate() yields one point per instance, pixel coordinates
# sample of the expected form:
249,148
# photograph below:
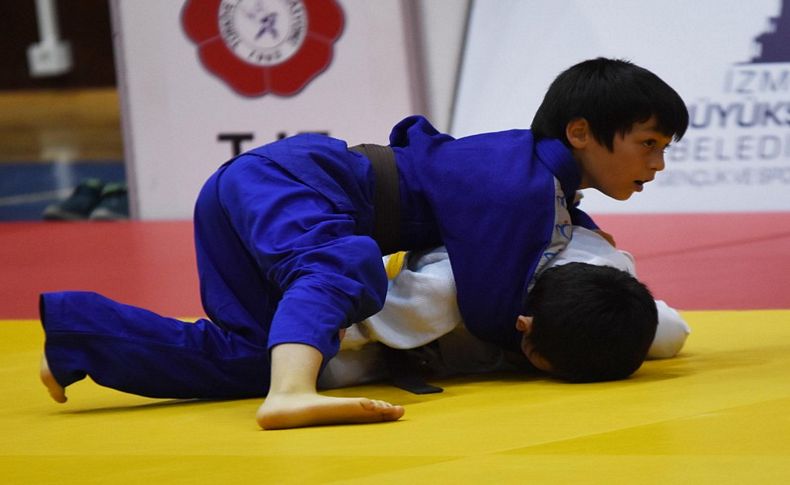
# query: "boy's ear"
524,324
577,131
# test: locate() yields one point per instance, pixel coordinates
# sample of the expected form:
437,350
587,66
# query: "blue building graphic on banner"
775,44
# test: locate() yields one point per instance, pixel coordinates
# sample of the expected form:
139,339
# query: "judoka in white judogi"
421,308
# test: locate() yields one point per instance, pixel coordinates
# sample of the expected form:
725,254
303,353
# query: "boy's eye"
649,143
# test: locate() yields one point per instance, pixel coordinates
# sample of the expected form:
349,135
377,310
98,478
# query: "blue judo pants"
252,246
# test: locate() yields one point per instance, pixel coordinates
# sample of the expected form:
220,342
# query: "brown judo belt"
386,201
405,367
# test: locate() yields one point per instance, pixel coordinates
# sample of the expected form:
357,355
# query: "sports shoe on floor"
78,205
114,204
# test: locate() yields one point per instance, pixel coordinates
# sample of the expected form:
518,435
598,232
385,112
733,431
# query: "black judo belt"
386,201
409,369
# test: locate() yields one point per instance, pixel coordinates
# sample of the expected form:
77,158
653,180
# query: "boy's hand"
609,238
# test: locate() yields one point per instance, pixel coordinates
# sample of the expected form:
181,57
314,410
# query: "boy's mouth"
640,184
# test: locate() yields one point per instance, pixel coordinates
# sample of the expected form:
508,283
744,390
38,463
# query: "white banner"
728,59
201,79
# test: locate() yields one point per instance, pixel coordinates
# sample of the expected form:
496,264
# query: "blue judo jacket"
491,197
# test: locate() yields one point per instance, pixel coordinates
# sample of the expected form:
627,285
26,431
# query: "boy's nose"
657,162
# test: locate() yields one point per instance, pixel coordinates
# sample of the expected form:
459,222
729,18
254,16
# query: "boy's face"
635,159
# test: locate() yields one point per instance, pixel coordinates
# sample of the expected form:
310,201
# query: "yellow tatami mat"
719,413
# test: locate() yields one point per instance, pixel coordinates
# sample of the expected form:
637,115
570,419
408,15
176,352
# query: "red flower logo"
263,46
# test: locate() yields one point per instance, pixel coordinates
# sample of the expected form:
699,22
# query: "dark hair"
612,95
591,323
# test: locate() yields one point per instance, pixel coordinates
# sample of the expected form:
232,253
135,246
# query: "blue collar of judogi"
559,160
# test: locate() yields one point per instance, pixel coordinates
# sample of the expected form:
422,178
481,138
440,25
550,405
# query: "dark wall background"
85,24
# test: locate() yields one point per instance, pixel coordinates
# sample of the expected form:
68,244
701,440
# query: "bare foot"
299,410
57,391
